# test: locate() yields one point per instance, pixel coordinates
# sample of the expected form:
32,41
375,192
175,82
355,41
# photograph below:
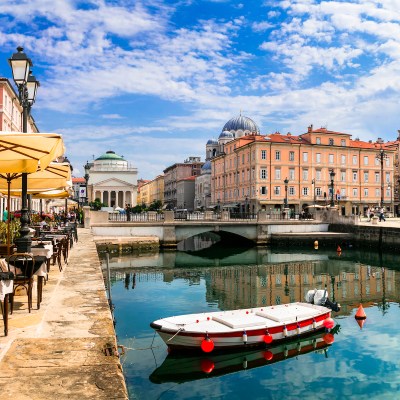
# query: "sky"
153,80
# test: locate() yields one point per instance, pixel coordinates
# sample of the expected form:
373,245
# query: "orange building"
255,172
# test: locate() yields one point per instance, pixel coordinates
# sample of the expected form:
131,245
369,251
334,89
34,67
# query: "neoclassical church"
112,180
235,128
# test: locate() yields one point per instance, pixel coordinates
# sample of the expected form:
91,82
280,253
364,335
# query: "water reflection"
180,368
259,277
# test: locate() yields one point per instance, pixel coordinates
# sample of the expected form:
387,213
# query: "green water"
361,363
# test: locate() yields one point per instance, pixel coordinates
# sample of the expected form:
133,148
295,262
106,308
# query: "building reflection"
242,286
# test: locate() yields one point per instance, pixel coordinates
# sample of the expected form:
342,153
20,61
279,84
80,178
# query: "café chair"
22,264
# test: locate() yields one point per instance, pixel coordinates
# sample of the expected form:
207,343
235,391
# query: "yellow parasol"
26,153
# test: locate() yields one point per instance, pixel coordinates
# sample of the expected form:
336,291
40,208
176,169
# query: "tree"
96,204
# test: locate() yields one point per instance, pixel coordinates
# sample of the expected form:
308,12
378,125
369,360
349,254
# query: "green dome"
110,155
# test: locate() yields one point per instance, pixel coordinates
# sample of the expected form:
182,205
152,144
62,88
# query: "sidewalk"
57,352
389,223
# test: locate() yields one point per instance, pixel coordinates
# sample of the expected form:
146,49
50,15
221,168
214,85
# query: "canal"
360,363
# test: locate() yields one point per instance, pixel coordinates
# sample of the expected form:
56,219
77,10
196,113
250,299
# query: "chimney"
310,128
379,140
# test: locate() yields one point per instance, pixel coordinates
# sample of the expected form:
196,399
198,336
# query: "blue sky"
154,80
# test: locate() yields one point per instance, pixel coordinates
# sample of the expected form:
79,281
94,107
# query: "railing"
136,217
202,216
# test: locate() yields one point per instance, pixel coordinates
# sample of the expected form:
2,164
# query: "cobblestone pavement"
58,352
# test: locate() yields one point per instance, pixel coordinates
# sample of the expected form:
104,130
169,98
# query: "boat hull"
240,329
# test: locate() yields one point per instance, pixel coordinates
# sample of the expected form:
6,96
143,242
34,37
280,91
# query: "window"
318,174
291,155
377,192
343,159
318,140
277,155
387,161
365,160
331,158
355,192
292,191
354,160
366,192
387,177
277,190
305,191
355,176
343,142
331,142
343,193
263,173
318,191
377,161
318,157
366,175
291,174
305,174
277,173
342,176
263,190
377,177
305,157
387,192
263,155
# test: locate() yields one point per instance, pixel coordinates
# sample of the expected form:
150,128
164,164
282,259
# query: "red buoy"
329,323
360,322
268,355
268,338
207,366
329,338
360,314
207,345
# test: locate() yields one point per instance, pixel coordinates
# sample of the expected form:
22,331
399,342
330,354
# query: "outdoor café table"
40,270
43,250
6,287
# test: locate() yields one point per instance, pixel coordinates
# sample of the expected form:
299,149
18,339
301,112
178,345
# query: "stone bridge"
170,232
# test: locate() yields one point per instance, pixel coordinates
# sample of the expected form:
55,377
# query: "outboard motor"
320,298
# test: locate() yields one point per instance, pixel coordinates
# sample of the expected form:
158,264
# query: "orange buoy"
360,314
329,323
360,322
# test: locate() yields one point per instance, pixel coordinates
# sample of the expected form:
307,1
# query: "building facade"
112,180
255,172
11,121
174,174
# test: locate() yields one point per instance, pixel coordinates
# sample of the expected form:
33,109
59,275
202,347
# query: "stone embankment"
67,349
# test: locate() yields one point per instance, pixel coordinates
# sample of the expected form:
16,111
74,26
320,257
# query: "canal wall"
67,349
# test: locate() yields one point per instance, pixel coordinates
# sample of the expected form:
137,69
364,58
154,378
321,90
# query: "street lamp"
313,183
218,206
27,87
332,175
381,156
66,199
390,188
86,177
246,204
285,204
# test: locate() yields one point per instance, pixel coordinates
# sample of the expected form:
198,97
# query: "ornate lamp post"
246,204
381,156
313,183
285,204
66,199
27,86
332,175
87,169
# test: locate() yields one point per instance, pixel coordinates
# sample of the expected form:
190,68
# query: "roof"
241,123
78,180
110,155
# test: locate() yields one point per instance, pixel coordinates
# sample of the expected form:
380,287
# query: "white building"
113,181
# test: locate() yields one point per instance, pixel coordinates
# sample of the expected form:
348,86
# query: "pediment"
113,182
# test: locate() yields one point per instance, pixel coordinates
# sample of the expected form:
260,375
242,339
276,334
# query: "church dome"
206,166
241,123
212,141
226,135
110,155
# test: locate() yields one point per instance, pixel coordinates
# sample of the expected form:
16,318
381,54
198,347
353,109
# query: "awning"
230,205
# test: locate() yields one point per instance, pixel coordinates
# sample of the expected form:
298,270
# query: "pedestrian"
382,214
5,215
369,214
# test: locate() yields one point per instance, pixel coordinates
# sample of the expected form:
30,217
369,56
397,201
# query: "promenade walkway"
57,352
389,223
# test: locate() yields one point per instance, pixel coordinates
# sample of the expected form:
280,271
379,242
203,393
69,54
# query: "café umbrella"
26,153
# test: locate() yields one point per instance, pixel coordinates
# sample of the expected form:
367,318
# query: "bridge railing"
136,217
153,216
